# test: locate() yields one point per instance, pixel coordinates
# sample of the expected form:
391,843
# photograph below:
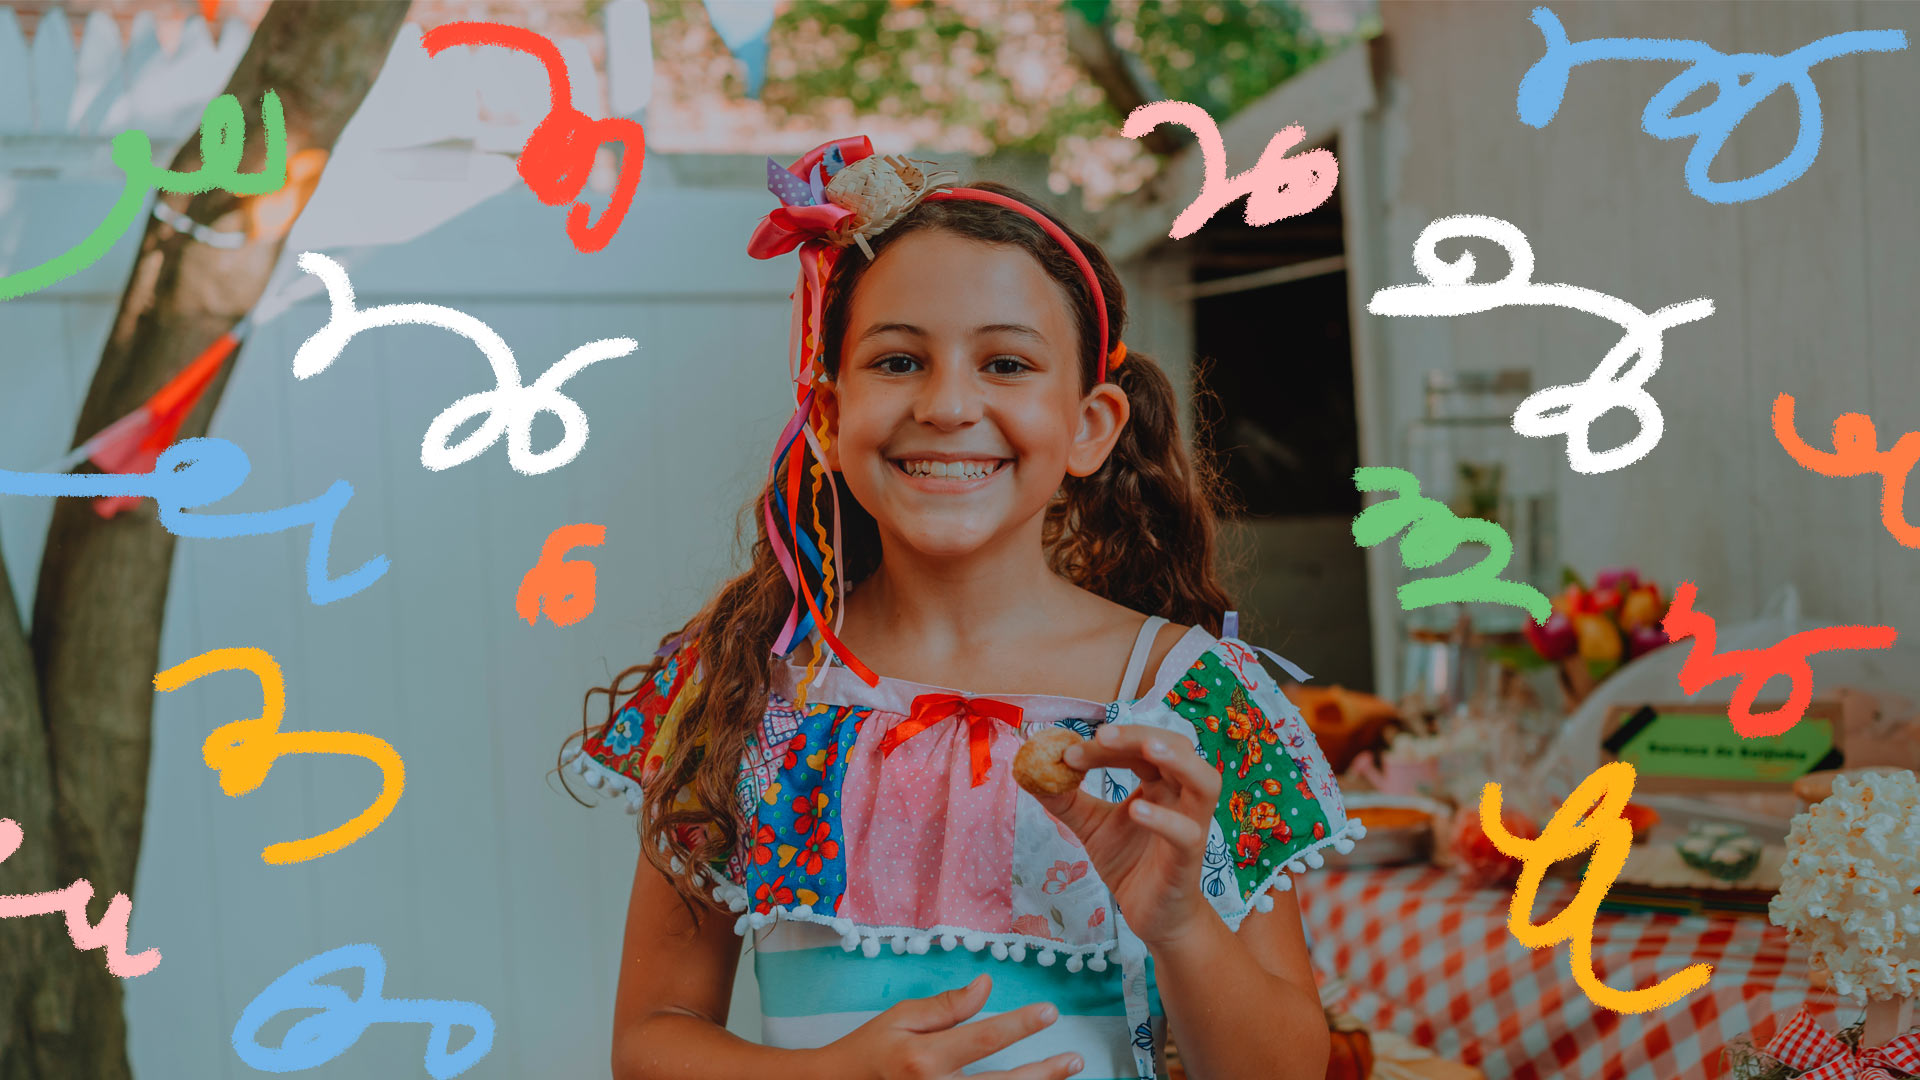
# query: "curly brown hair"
1140,531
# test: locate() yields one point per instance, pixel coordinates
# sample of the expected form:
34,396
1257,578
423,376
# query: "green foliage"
988,68
1220,54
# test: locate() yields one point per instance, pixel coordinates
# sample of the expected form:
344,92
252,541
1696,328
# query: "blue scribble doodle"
1741,81
196,472
318,1039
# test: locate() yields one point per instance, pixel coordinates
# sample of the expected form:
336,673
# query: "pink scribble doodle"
1276,187
558,156
110,934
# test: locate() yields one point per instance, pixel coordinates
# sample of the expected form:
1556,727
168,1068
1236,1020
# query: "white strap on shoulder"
1137,660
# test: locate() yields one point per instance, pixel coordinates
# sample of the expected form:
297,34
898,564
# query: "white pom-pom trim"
1263,902
999,950
949,942
898,944
1316,860
740,926
1098,962
919,945
850,942
1344,845
870,947
1075,962
975,941
1281,884
1018,952
1046,957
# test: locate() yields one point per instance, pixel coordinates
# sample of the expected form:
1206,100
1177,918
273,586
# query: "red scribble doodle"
1756,666
558,156
565,585
1277,186
1856,453
111,932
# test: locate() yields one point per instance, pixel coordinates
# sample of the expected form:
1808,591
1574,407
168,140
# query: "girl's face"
957,410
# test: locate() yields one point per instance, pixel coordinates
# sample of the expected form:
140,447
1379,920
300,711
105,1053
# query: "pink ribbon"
1804,1044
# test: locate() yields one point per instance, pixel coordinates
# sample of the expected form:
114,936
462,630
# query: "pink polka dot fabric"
924,846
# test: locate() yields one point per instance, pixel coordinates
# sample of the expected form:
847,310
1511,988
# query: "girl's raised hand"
927,1039
1149,848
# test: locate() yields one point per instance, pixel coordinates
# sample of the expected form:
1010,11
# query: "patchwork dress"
890,854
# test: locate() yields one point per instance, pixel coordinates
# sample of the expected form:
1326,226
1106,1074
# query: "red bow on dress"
1804,1044
980,713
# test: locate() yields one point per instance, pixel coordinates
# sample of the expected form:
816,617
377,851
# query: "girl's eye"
897,364
1006,365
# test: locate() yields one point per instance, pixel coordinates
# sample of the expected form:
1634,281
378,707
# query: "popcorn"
1851,885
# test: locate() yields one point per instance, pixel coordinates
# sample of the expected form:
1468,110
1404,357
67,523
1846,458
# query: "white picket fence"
484,96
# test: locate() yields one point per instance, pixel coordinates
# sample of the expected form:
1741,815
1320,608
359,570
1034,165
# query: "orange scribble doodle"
110,934
565,585
558,156
243,752
1856,453
1755,666
1573,830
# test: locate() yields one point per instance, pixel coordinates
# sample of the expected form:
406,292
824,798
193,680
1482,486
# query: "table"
1421,952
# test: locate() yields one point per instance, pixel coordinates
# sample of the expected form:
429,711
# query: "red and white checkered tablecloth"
1420,952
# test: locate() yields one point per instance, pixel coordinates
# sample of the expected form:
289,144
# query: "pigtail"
1141,531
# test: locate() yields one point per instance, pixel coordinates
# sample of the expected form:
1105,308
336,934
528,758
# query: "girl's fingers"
1057,1067
1153,755
968,1043
945,1009
1178,829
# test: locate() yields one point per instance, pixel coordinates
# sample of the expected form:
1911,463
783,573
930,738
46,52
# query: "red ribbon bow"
787,227
1804,1044
980,713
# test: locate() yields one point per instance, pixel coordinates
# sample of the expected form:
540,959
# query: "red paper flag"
133,443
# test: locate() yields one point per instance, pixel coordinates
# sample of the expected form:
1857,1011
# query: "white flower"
1851,884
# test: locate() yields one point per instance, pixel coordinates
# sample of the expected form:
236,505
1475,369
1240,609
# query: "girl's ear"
1103,414
829,398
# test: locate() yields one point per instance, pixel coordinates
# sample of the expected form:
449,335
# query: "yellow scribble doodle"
1590,818
244,751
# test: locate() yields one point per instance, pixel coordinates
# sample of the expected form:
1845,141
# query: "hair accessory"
1119,354
840,194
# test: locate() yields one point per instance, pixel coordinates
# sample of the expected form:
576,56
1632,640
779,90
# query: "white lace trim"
920,940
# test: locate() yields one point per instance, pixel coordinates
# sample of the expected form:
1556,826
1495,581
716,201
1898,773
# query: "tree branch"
103,583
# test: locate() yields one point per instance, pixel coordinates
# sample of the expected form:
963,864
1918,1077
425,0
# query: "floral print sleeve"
626,753
1279,803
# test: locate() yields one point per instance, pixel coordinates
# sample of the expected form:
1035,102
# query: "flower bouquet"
1593,631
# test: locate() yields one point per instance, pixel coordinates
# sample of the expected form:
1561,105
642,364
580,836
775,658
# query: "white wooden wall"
1813,285
487,883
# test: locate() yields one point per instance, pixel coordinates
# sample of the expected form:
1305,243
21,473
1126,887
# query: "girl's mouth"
937,475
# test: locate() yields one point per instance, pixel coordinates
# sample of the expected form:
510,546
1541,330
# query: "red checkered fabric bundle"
1424,954
1804,1044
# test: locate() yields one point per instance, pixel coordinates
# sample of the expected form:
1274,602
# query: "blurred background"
489,883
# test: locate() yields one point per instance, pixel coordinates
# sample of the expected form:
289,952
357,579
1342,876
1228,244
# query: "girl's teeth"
955,469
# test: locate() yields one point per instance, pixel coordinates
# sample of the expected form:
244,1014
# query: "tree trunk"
103,583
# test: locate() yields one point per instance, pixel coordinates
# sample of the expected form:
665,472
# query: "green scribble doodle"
1434,533
222,139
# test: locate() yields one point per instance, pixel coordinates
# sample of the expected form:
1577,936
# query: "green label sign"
1704,746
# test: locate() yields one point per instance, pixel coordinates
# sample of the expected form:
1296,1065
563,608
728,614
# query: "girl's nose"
949,396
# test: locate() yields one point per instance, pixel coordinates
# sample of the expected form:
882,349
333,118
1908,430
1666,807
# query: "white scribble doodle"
509,407
1618,383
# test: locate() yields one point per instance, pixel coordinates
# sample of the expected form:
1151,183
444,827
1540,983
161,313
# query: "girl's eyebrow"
990,328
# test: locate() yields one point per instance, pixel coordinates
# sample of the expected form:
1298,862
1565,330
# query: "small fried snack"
1041,768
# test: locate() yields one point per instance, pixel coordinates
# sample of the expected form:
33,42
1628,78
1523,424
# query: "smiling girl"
983,496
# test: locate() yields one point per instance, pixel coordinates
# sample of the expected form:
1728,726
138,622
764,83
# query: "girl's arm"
1244,1004
670,1013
